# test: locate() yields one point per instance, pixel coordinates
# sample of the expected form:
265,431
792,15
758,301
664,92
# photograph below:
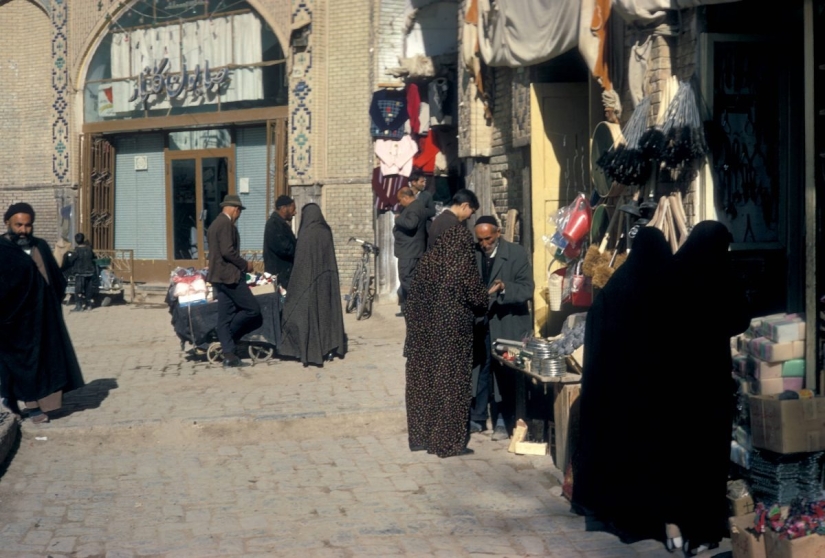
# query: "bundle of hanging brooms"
641,155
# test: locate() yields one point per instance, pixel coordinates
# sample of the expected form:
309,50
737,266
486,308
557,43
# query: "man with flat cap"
505,270
238,311
279,241
38,363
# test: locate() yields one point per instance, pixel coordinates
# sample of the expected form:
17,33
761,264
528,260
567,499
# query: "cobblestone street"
160,456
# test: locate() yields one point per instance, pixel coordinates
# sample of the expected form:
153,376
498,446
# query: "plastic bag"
572,226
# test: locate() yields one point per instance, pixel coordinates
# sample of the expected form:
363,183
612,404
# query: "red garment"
413,107
427,151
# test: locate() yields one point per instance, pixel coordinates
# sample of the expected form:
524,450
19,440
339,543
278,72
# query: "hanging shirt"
396,156
388,113
425,160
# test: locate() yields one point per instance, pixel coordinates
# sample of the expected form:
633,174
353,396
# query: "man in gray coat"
238,311
410,232
506,271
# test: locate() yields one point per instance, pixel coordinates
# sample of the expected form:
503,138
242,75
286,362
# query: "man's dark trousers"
406,269
484,392
238,314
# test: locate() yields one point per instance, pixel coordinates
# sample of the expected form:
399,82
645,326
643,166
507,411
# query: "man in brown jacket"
238,311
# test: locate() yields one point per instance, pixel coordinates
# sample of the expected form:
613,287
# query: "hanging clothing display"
413,107
518,33
425,160
388,113
396,156
441,103
385,188
446,141
654,12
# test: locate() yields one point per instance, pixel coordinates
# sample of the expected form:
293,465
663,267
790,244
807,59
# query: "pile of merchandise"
785,478
802,519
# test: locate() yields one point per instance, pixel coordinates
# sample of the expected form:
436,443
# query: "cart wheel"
214,353
260,353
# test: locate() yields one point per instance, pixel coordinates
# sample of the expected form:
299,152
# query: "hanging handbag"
581,288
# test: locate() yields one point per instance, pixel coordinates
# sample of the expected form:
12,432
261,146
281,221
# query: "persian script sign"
155,80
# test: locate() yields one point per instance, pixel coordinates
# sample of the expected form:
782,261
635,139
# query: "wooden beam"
198,120
811,312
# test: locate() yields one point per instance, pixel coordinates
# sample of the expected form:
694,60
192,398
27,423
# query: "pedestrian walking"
238,311
38,363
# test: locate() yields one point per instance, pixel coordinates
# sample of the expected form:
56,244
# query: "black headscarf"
712,308
617,470
313,320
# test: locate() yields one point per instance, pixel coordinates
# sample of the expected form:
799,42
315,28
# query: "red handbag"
581,288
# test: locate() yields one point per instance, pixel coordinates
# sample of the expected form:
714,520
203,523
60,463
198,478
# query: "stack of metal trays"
546,359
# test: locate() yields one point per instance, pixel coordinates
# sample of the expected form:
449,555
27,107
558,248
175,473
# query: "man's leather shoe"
499,433
476,427
234,363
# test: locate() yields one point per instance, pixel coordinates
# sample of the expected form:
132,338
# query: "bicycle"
359,293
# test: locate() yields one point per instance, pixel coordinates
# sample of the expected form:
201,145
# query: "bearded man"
39,363
508,276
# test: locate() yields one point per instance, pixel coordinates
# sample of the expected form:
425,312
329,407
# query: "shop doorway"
196,183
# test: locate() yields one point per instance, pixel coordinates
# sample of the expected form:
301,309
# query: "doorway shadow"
89,396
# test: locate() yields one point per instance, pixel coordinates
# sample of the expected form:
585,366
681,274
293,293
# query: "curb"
9,433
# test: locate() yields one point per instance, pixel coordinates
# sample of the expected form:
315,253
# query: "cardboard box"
790,426
798,349
793,368
745,543
741,506
263,289
812,546
781,331
771,386
763,370
767,350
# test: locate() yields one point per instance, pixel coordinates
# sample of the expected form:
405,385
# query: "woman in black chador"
618,468
313,321
712,308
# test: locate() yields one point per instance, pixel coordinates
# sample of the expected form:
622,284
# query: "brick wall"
26,92
389,37
348,210
349,88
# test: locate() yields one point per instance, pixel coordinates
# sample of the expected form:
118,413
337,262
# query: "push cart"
196,323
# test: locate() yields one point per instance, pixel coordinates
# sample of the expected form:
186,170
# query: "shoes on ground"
234,363
499,433
417,448
38,417
476,427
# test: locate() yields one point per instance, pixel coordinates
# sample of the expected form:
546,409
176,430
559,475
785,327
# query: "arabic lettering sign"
156,80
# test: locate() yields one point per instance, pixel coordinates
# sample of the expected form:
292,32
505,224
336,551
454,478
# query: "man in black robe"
39,363
279,241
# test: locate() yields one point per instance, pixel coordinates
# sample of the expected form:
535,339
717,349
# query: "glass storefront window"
189,56
200,139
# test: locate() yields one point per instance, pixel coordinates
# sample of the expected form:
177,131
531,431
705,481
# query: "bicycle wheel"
352,302
363,293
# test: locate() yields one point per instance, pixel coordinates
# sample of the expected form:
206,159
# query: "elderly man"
279,240
38,363
238,311
410,232
506,272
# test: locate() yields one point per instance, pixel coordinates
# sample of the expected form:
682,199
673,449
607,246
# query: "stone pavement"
161,456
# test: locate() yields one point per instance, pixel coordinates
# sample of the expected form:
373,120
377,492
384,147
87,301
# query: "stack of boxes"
770,355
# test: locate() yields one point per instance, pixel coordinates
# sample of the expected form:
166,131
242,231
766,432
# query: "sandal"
673,540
